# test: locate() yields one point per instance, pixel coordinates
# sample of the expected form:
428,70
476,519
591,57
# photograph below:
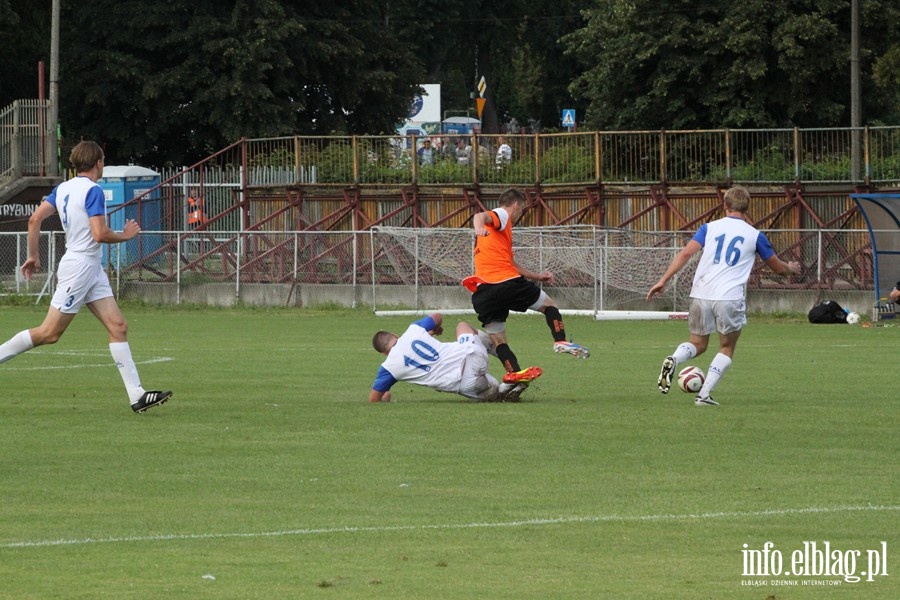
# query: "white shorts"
709,316
475,381
80,280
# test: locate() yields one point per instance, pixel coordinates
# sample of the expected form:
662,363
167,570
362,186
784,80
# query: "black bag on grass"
827,312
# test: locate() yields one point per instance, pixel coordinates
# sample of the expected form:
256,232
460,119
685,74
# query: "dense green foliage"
688,64
171,82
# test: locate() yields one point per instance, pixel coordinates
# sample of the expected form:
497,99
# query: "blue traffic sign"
568,117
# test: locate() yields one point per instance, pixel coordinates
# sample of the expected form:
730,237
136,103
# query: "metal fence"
387,268
867,155
26,145
860,156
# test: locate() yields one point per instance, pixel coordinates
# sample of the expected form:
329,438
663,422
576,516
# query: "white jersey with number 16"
730,247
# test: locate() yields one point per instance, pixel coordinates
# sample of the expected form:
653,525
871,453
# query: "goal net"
597,270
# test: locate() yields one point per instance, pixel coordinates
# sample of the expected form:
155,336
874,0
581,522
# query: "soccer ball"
690,379
853,318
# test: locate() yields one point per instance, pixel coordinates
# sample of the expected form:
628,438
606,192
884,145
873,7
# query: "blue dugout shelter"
881,212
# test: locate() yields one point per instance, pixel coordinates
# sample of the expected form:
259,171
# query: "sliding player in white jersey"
730,247
459,367
80,276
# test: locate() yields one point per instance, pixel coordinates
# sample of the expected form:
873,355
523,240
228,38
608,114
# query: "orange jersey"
493,252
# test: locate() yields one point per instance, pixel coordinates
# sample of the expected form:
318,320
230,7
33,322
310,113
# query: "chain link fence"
421,268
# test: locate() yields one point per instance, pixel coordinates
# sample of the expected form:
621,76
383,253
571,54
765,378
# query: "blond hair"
737,199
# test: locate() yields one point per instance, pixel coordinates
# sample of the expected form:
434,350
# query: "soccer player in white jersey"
80,276
730,246
459,367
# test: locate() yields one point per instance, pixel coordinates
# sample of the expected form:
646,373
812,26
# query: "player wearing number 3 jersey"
81,280
730,246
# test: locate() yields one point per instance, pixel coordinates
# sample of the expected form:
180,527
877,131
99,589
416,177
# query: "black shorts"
493,301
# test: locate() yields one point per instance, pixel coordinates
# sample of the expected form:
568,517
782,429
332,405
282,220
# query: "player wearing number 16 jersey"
730,246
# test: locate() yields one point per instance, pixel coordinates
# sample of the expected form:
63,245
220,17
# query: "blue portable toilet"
461,125
121,184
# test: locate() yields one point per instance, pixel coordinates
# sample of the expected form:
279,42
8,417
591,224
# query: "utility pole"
51,134
855,111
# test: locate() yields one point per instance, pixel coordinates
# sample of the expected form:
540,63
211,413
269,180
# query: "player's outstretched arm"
783,268
676,265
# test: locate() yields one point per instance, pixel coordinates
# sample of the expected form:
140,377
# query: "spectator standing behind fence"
426,153
463,151
895,293
730,246
448,149
81,279
195,211
504,153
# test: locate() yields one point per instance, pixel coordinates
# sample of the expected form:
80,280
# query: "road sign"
568,117
482,87
479,104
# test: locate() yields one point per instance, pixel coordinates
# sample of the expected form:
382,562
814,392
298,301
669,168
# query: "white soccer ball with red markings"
690,379
853,318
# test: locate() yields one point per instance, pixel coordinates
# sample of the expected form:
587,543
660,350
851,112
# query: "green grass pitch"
268,475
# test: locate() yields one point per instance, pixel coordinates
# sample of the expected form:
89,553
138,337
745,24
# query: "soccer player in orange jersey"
504,285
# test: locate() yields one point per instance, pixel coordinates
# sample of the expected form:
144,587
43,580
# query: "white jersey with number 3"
730,247
76,201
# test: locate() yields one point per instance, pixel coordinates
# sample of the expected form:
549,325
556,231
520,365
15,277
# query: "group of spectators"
459,149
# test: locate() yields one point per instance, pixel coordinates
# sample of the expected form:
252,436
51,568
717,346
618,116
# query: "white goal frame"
600,272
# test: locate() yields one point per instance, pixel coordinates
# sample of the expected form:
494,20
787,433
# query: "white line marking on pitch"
501,524
149,361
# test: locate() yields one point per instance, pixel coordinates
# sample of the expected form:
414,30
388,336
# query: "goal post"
600,272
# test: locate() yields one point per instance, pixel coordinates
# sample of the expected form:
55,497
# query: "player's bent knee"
494,328
118,329
543,302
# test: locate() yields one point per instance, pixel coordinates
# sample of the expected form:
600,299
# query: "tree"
25,39
181,81
541,70
710,64
176,80
352,71
455,42
187,78
513,44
